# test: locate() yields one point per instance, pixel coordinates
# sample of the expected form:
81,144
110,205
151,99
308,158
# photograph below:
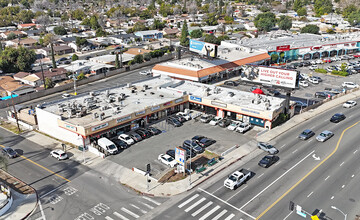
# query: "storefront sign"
123,119
316,47
155,108
166,104
70,127
99,127
180,156
194,98
179,100
283,48
251,111
140,113
220,104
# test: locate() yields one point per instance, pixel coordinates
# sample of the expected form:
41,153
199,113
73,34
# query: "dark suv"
173,121
320,95
337,117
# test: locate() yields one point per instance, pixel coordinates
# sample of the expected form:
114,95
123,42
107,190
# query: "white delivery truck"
237,178
107,145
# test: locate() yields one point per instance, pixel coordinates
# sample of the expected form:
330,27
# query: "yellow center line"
50,171
310,172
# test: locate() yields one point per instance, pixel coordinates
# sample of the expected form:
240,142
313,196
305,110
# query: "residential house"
210,29
110,59
88,67
149,35
173,32
58,50
123,38
4,35
32,32
36,79
9,85
55,74
27,42
26,26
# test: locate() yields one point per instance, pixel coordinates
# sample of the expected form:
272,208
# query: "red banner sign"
283,48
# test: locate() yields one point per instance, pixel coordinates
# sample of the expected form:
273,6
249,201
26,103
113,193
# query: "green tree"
139,58
147,56
265,21
13,60
80,41
74,57
50,39
301,12
229,20
297,5
348,10
117,62
196,33
11,36
158,25
94,24
25,16
100,33
184,40
323,7
81,76
343,67
212,39
285,22
354,18
274,57
310,28
60,30
78,14
49,83
211,19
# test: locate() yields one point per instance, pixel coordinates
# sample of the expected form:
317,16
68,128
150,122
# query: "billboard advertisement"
180,156
203,48
283,48
270,76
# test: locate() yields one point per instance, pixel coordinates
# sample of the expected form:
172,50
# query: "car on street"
234,125
154,131
224,122
320,95
303,83
215,120
120,144
65,95
349,104
58,154
325,135
126,138
167,160
206,118
268,160
230,83
145,72
173,121
350,85
205,142
184,115
193,145
135,136
9,152
337,117
243,127
267,148
306,134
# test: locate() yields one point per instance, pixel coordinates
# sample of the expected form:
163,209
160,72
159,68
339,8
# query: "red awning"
258,91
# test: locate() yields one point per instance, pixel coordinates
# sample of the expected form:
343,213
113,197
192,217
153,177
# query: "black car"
9,152
337,117
320,95
224,122
143,133
193,145
306,134
268,160
189,152
197,138
306,63
205,142
273,92
120,144
230,83
173,121
171,153
135,136
179,118
154,131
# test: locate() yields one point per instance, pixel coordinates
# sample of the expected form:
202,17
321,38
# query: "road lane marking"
220,214
218,189
42,211
189,200
310,140
151,200
282,146
202,208
342,163
327,178
195,204
210,212
310,172
288,215
295,151
142,211
237,193
355,151
332,197
343,186
230,216
245,213
120,216
129,212
260,175
108,218
149,206
310,194
41,166
277,179
352,176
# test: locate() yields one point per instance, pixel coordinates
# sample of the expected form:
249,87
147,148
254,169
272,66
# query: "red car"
357,55
327,61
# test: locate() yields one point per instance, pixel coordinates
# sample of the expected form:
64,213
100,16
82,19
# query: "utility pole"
74,78
16,118
42,73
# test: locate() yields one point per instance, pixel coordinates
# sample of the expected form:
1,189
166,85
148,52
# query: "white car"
313,67
145,72
126,138
304,75
313,62
319,61
349,104
184,115
350,85
243,127
313,80
303,83
65,95
234,125
59,154
215,120
167,159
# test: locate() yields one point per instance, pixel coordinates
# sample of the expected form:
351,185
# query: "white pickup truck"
237,178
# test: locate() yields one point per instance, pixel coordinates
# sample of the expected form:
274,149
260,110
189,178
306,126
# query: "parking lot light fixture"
334,207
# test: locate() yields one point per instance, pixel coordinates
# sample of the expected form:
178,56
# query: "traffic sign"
299,211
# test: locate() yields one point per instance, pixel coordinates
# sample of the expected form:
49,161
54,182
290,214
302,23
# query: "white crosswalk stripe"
230,216
143,211
210,212
129,212
202,208
220,214
195,204
108,218
147,205
120,216
151,200
189,200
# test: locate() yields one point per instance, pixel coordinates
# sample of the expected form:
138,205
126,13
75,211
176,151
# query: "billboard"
180,155
203,48
283,48
270,75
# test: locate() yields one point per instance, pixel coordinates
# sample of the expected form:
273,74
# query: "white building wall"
48,124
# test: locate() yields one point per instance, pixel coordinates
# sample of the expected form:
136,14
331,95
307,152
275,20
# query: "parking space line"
310,194
202,208
195,204
220,214
151,200
108,218
282,146
120,216
260,175
142,211
147,205
327,178
129,212
189,200
218,189
342,163
237,193
230,216
209,213
355,151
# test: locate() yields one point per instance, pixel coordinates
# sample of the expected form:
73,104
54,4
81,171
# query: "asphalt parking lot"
148,150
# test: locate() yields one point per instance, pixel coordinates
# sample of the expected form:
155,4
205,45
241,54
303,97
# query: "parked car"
193,145
143,133
329,94
145,72
126,138
320,95
230,83
349,104
268,160
179,118
313,80
135,136
215,120
65,95
267,148
205,142
171,153
243,127
337,117
325,135
9,152
306,134
332,90
304,76
197,138
303,83
224,122
206,118
273,92
167,160
318,78
58,154
173,121
184,115
154,131
300,104
233,125
120,144
350,85
313,67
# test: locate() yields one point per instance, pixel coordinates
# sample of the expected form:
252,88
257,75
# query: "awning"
258,91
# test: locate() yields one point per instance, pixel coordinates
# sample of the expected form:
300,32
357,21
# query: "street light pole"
17,120
345,215
74,78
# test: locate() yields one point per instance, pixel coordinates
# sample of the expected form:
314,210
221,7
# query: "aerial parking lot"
149,149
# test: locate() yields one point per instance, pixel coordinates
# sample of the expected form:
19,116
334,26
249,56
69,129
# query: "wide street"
312,174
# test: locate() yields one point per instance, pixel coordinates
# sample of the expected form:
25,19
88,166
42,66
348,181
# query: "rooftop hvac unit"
95,115
128,85
161,96
152,93
231,94
103,108
107,93
79,115
145,87
102,116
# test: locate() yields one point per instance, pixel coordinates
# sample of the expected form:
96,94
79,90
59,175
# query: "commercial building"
82,119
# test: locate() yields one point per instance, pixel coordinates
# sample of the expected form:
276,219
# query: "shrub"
340,73
320,71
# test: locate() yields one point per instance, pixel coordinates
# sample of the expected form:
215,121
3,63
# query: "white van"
107,145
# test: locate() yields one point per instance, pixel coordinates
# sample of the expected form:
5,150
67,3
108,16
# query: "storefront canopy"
258,91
